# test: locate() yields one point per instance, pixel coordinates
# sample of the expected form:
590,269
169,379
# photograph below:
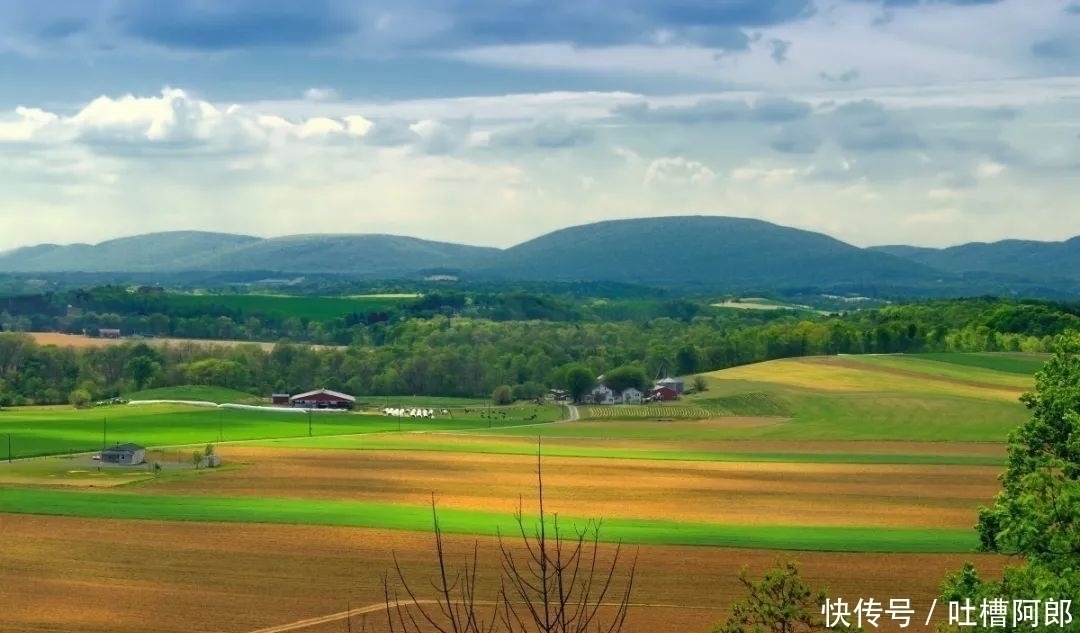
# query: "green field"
195,392
933,397
315,308
418,518
473,442
1011,362
60,430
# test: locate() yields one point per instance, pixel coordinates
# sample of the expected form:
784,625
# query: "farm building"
322,399
600,394
279,398
124,454
630,396
674,384
663,393
109,333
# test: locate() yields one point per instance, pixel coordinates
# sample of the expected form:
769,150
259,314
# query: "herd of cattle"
412,413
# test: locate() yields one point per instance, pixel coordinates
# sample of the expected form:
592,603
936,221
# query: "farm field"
618,445
629,412
58,430
263,575
79,341
843,463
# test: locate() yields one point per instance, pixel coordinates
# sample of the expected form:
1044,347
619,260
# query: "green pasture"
60,430
1009,362
315,308
953,371
821,416
461,443
125,505
195,392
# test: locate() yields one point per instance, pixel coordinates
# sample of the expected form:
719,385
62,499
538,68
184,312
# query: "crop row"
647,411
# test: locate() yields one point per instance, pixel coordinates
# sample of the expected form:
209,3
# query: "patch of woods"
463,356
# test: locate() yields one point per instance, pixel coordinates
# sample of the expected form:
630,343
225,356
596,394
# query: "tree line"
470,357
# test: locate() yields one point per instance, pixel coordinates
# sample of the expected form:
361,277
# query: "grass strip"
114,505
549,450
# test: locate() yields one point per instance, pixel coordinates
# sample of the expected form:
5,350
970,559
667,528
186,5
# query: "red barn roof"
325,394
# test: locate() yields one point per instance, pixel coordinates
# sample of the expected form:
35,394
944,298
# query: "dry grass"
836,374
719,492
78,341
91,576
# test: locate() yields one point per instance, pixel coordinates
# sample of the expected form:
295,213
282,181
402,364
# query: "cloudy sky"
929,122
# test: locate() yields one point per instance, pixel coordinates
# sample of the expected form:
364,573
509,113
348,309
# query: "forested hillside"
468,356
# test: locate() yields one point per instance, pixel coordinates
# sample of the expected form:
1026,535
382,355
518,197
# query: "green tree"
503,394
196,459
79,398
625,377
1036,515
700,384
781,602
578,380
142,369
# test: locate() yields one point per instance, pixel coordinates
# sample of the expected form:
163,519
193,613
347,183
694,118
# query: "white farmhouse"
600,394
630,396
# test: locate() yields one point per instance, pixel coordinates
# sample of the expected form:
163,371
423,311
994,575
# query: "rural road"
574,413
382,606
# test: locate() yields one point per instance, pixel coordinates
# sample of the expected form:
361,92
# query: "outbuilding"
663,393
322,399
128,454
279,398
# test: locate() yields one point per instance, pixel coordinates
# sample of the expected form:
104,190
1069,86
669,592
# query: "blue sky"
929,122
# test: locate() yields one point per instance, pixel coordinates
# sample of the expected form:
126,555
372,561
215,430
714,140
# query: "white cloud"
129,163
677,170
321,94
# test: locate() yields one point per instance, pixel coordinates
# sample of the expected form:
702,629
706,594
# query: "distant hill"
173,250
368,255
1022,258
711,253
202,251
719,251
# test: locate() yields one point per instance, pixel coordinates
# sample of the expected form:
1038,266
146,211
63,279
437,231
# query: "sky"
924,122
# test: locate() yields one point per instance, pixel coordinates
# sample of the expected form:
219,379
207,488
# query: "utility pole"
309,422
220,425
9,447
104,432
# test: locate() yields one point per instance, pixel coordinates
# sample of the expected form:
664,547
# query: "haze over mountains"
704,251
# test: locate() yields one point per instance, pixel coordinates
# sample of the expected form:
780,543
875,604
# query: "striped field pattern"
637,412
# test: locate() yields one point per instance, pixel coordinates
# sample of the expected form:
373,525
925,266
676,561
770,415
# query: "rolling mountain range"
708,252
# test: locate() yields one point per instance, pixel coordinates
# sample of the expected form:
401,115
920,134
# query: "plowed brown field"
730,493
95,576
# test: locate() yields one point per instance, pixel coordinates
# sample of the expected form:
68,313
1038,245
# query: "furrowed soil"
718,492
71,575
